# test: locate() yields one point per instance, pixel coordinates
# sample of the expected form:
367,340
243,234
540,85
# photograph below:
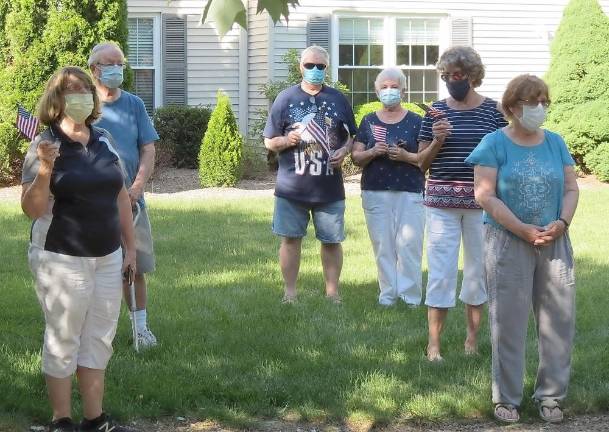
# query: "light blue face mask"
390,96
314,76
111,76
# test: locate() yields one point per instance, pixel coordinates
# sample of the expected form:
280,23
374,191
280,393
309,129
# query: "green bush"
598,161
220,158
181,130
579,78
38,37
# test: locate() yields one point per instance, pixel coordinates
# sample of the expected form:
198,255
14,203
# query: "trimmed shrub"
598,161
579,79
38,37
220,157
181,130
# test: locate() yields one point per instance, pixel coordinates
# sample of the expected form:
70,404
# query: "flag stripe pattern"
379,133
318,133
27,123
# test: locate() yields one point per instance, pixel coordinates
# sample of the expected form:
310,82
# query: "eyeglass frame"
452,76
546,103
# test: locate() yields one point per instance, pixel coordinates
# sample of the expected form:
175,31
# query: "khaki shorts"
81,299
145,261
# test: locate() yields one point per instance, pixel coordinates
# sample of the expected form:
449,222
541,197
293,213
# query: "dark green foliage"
579,79
598,161
36,38
181,130
220,157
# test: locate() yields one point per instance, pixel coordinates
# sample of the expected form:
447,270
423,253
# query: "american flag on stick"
319,134
379,133
26,123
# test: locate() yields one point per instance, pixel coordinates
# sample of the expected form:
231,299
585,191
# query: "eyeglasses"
534,103
455,76
319,66
122,65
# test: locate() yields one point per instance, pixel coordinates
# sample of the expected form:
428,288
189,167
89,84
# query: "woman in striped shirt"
449,132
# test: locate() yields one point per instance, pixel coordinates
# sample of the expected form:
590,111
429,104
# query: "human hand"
379,149
135,192
530,233
441,129
129,263
395,153
337,157
551,232
293,138
47,152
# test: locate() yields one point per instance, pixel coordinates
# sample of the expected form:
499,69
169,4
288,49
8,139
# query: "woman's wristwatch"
564,221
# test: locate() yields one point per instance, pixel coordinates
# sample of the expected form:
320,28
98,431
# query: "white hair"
101,47
316,49
390,73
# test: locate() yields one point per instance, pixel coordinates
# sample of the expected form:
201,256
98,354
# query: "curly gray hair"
390,73
465,58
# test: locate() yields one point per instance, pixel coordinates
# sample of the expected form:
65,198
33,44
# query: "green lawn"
230,351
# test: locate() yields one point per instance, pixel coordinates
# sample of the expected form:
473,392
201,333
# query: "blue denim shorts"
291,218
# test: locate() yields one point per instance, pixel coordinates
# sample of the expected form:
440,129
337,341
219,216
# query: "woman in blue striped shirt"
449,132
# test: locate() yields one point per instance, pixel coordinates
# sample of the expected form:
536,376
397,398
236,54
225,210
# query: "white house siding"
512,37
258,63
212,63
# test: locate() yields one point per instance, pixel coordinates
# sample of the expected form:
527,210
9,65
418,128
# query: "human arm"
429,149
127,231
35,194
397,153
282,142
147,154
362,157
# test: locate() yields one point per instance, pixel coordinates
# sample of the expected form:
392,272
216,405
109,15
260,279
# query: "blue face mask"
111,76
390,96
314,76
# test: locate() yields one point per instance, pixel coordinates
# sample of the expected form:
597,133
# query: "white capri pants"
80,298
445,229
396,225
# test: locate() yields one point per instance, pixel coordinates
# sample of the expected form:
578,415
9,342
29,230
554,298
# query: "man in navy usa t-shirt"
310,126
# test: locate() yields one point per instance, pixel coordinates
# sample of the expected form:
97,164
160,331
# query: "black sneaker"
103,423
64,424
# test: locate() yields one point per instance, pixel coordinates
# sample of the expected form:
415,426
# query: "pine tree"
222,148
579,79
39,37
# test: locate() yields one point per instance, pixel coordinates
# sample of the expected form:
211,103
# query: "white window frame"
158,82
389,43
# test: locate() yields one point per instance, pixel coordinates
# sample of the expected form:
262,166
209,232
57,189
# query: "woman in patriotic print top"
392,190
448,135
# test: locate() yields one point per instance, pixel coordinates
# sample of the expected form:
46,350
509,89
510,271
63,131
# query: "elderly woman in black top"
392,190
73,190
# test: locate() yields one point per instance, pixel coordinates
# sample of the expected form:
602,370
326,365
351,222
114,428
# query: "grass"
231,352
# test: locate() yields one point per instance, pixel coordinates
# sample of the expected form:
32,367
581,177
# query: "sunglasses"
319,66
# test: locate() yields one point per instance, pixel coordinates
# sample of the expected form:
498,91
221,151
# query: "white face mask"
532,117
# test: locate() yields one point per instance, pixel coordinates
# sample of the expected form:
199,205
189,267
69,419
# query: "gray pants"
518,276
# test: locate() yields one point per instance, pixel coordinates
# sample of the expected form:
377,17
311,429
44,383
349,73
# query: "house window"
367,45
143,59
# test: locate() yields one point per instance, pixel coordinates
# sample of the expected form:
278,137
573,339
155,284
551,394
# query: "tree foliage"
225,13
579,79
36,38
221,152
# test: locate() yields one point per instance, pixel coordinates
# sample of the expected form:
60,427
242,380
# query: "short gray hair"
465,58
391,73
99,48
317,50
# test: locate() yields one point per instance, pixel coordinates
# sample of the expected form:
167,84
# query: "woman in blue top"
392,190
526,184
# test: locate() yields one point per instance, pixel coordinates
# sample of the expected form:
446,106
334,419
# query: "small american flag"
318,133
26,123
379,133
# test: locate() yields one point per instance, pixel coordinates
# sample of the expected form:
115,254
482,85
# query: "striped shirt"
451,181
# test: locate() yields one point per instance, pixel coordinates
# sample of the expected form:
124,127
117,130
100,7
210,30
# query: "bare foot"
471,348
433,354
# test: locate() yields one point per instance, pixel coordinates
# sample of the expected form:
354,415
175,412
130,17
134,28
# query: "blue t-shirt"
530,179
325,122
383,173
127,121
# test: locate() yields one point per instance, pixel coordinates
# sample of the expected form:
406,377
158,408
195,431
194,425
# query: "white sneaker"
146,339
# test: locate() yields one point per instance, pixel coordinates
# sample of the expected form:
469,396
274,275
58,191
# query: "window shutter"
318,31
461,31
174,60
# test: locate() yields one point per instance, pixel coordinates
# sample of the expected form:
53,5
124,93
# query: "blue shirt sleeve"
566,157
425,133
485,153
274,123
362,132
146,132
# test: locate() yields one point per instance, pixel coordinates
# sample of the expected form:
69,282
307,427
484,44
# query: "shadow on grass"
230,351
